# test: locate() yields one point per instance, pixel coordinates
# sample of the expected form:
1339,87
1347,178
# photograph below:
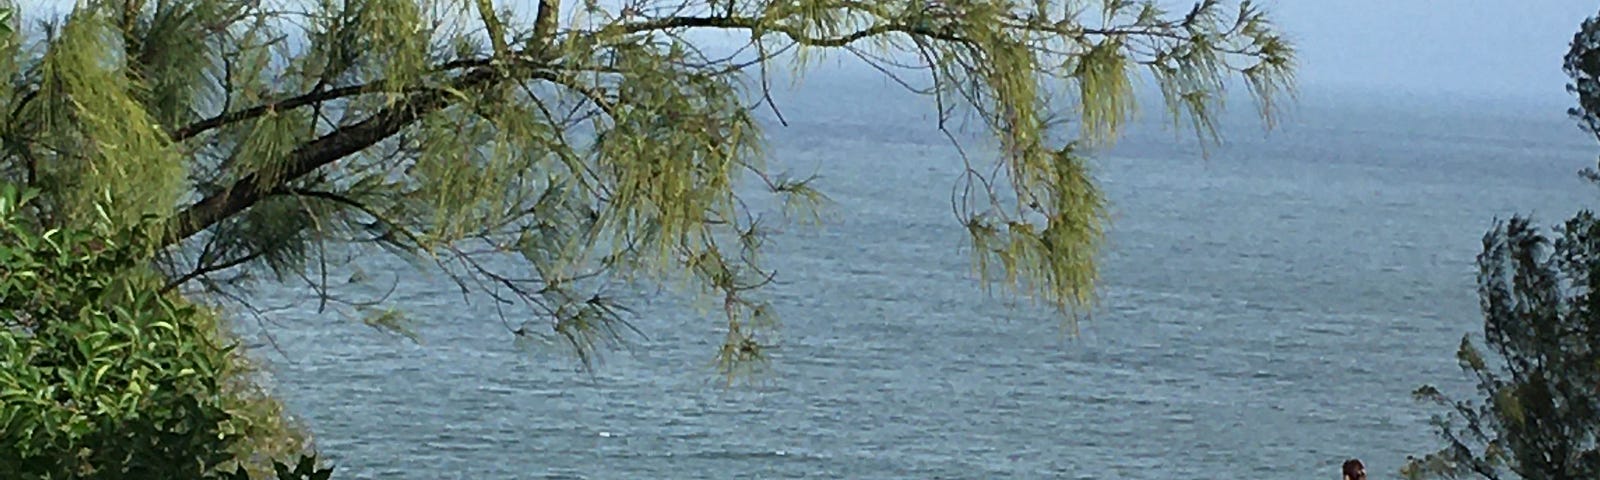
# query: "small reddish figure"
1354,470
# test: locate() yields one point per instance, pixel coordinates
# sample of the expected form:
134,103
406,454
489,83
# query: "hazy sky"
1475,47
1507,48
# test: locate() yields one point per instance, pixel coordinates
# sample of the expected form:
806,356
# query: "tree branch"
756,24
595,96
377,86
324,150
189,131
352,203
207,269
759,25
497,32
544,24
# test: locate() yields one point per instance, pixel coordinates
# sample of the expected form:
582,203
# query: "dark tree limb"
189,131
325,150
208,269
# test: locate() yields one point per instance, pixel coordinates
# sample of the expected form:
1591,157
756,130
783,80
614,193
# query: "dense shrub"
101,376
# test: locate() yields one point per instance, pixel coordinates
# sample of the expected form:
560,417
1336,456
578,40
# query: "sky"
1471,48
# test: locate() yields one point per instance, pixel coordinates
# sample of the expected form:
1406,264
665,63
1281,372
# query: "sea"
1266,307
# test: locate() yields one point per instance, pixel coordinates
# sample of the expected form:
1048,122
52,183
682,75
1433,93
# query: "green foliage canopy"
101,377
537,155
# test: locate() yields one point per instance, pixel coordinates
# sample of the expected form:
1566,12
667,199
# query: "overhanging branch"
916,27
202,126
376,86
324,150
756,24
203,270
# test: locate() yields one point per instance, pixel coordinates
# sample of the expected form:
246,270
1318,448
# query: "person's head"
1354,470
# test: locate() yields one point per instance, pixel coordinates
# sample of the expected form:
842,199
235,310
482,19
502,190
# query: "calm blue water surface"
1266,312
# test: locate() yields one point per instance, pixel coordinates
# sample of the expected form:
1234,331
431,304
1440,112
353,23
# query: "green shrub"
101,376
270,432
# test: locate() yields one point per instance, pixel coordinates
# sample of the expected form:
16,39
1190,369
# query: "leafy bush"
101,376
270,432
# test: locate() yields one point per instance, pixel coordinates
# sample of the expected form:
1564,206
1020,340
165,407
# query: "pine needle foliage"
538,151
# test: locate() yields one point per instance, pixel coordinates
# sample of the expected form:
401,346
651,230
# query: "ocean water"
1266,310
